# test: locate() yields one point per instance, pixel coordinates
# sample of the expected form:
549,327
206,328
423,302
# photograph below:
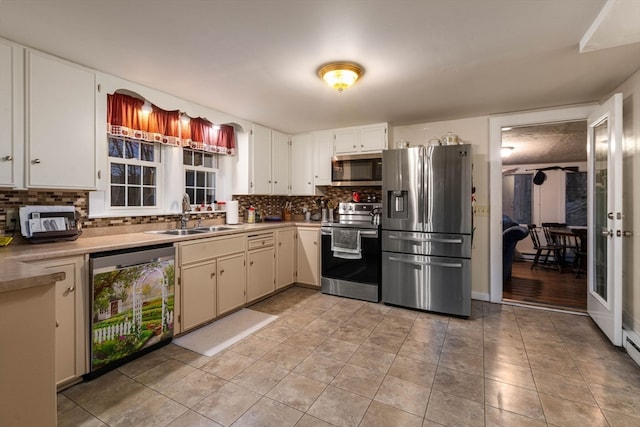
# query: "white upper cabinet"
11,118
60,124
302,151
322,152
261,156
360,139
269,161
279,163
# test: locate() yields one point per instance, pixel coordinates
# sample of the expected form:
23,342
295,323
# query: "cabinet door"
261,160
231,282
323,150
285,257
9,94
198,294
260,273
345,141
308,256
70,319
60,124
280,163
302,165
373,138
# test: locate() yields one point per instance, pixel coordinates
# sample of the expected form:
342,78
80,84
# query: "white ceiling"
257,59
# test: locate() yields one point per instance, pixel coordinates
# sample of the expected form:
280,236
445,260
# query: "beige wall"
474,131
631,202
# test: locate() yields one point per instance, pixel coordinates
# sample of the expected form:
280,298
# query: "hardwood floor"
546,287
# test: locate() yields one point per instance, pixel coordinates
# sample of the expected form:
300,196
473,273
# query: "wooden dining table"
569,238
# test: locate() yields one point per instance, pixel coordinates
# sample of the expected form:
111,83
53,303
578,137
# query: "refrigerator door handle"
429,263
425,240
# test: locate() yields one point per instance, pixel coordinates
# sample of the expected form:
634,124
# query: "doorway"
544,192
496,124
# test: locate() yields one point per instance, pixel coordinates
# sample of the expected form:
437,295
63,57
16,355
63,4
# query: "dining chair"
580,261
541,249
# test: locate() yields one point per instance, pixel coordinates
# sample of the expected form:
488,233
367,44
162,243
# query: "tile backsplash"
266,205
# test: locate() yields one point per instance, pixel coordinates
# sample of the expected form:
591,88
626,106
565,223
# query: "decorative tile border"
266,205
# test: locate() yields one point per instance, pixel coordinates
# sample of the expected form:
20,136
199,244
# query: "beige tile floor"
330,361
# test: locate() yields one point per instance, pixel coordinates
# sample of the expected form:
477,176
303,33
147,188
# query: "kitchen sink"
213,228
179,231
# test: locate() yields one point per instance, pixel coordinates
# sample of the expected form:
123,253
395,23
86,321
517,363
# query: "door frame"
496,123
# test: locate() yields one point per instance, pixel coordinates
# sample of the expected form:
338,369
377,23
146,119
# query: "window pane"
117,173
133,196
576,198
147,152
208,160
117,195
200,179
211,196
517,197
190,178
199,196
192,195
187,157
132,150
116,146
149,177
148,196
197,158
133,174
211,180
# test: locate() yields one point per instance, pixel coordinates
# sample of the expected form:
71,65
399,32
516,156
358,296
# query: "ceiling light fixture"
340,75
185,119
506,151
146,107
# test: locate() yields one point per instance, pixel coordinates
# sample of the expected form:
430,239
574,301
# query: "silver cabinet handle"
71,288
425,240
7,158
36,161
429,263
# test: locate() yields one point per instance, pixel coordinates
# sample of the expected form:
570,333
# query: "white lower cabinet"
260,265
308,256
211,278
198,294
285,257
231,274
71,319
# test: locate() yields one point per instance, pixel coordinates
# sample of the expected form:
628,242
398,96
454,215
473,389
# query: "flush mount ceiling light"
185,119
505,151
340,75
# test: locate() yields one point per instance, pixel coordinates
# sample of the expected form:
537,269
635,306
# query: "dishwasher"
131,305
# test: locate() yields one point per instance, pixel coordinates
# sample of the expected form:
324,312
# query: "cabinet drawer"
256,241
210,248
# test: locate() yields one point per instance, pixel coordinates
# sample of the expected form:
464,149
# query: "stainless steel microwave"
356,169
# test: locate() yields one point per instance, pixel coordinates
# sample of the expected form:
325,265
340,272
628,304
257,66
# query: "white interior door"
604,156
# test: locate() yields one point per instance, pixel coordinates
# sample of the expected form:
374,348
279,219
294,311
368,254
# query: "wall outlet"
481,210
12,214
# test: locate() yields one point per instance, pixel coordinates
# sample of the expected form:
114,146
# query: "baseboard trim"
481,296
631,343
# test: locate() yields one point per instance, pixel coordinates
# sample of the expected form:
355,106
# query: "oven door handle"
363,233
425,240
429,263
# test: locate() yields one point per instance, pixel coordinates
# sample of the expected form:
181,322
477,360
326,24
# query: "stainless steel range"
351,251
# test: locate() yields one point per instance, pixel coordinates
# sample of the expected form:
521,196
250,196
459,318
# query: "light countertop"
15,273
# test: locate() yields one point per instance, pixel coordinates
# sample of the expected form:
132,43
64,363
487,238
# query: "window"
133,172
517,197
576,198
200,170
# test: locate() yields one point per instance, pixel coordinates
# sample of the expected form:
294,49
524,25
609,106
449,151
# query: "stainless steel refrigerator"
427,228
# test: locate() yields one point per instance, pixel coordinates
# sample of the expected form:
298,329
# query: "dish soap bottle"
251,215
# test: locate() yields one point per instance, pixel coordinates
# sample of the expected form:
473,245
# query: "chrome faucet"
186,207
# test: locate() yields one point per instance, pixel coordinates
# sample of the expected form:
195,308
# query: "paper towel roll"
232,212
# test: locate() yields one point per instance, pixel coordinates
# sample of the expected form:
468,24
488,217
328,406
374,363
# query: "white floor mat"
212,339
